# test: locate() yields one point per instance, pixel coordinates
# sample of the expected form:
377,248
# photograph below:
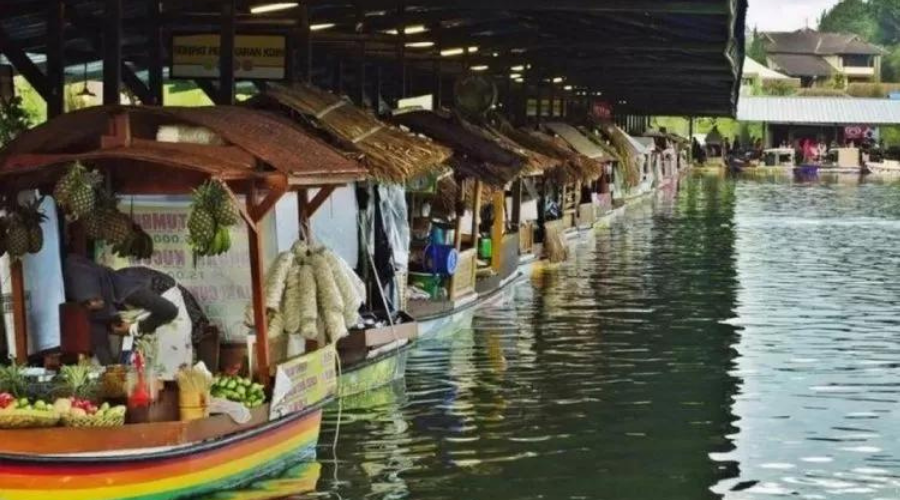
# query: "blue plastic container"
441,259
438,236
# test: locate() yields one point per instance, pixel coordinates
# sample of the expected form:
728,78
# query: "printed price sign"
304,381
221,284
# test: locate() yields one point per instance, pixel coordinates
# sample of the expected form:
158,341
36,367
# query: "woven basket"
23,419
70,420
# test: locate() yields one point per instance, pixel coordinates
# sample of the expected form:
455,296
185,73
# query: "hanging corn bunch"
291,301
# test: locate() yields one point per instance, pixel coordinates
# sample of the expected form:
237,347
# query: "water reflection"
738,341
818,306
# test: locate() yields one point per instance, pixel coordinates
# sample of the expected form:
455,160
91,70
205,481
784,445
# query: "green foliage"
757,49
890,65
890,135
850,16
14,119
887,14
778,88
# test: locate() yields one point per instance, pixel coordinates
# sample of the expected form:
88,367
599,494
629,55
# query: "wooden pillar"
401,46
154,40
56,23
112,53
361,76
476,214
461,200
301,67
20,315
517,202
691,140
438,85
226,53
259,307
303,214
499,202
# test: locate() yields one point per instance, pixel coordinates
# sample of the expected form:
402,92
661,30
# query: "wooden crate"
463,282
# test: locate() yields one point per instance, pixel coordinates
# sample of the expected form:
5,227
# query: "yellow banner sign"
256,57
304,381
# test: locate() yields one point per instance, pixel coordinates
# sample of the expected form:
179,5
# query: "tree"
887,14
757,49
851,16
890,65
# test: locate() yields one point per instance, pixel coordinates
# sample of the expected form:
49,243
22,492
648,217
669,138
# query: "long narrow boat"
158,461
166,459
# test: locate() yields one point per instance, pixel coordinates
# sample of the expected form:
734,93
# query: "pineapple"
17,237
116,226
201,228
35,239
63,190
221,205
82,201
75,191
93,226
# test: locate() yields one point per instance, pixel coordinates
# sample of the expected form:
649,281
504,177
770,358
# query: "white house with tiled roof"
816,57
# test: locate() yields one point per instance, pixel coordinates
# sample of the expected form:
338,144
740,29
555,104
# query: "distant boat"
806,172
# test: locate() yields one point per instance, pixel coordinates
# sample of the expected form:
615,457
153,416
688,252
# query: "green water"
738,342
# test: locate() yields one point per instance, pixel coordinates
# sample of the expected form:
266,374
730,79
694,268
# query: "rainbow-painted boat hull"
164,474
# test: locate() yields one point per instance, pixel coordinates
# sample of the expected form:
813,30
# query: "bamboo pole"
20,319
497,230
259,308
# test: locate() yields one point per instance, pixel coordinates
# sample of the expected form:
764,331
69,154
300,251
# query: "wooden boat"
887,168
370,373
164,460
295,481
153,461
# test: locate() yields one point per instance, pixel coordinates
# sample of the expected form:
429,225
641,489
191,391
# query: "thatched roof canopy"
390,154
249,144
476,153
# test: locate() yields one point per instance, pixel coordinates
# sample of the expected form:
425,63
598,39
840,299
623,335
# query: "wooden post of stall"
499,201
476,215
55,59
112,52
303,214
20,310
226,53
256,281
517,204
457,234
155,68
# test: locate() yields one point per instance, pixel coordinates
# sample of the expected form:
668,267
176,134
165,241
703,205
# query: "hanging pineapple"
75,191
16,237
212,214
3,225
33,217
23,233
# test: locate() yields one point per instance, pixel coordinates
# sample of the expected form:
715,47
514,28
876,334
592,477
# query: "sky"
785,15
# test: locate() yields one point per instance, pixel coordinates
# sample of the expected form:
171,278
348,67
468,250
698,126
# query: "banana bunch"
212,215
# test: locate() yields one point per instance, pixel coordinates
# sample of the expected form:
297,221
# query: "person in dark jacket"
105,292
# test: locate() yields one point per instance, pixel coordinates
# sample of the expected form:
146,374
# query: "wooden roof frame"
156,171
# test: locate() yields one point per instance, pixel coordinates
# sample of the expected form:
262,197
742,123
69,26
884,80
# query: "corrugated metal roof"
819,110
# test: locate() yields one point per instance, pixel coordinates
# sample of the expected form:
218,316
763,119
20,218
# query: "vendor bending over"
111,295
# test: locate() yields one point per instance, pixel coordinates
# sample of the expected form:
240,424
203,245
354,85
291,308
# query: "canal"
740,341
